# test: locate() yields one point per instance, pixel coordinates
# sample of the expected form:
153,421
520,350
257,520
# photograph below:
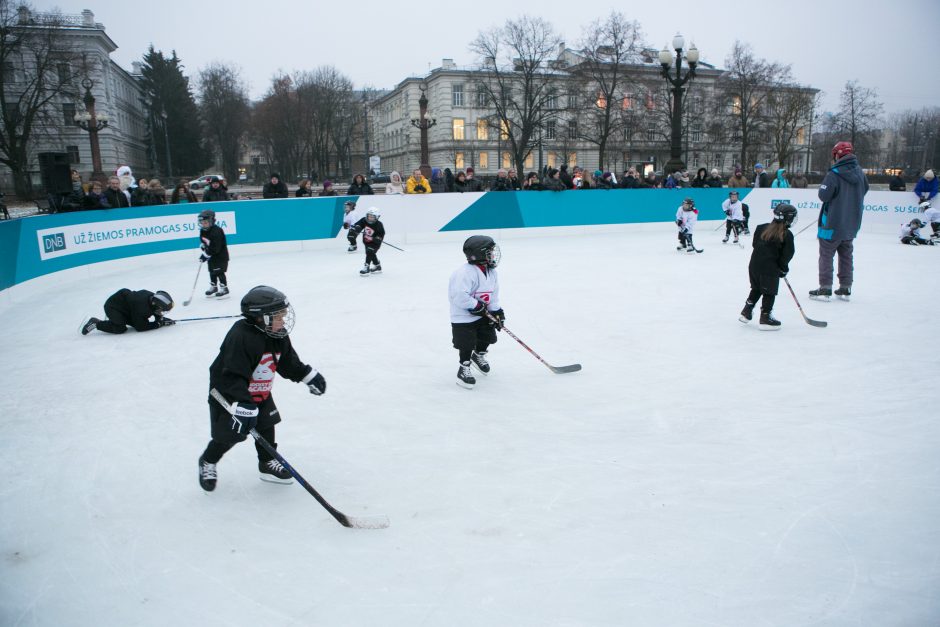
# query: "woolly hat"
929,175
759,165
275,175
598,174
327,184
470,170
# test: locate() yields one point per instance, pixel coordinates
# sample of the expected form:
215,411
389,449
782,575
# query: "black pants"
763,285
747,215
472,336
217,272
224,438
370,255
907,239
733,225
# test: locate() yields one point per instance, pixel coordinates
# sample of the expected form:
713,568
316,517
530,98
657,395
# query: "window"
483,129
483,99
458,160
65,72
68,112
801,135
650,101
651,133
74,156
457,91
484,160
507,160
627,103
9,72
551,101
529,161
735,105
550,159
572,100
503,129
601,100
697,135
572,158
719,160
572,129
550,129
458,129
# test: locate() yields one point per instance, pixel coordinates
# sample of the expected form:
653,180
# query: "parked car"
203,181
380,177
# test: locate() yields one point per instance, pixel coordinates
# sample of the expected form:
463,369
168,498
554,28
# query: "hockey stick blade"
815,323
564,369
367,522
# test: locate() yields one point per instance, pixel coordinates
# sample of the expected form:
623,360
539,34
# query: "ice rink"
696,472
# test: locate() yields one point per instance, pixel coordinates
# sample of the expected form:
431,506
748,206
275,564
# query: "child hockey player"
473,291
243,374
773,250
126,307
910,234
931,217
686,217
734,216
373,231
215,252
350,217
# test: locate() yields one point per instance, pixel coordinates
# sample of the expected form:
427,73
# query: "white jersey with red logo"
468,284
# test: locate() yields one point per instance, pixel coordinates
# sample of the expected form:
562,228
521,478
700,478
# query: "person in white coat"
734,216
474,292
394,185
931,217
686,217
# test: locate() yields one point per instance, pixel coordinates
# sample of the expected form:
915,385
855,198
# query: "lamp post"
92,122
677,83
166,143
423,123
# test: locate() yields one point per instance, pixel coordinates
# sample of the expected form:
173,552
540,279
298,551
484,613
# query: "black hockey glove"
678,222
203,258
728,212
500,317
315,382
782,273
478,309
165,322
244,417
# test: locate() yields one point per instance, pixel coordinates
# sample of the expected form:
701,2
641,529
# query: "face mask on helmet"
161,302
372,216
916,223
279,323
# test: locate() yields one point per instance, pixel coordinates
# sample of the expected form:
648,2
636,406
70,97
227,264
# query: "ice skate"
479,362
747,313
768,322
735,241
465,378
351,249
207,475
376,269
725,240
89,325
274,472
222,292
843,293
211,291
822,293
364,271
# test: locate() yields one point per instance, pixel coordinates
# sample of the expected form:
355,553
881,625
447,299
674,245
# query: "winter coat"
417,186
392,187
500,185
212,195
842,193
927,187
897,184
799,182
738,181
762,180
214,244
115,199
360,190
629,182
303,192
460,186
781,180
770,258
713,181
474,185
275,190
448,180
552,184
514,184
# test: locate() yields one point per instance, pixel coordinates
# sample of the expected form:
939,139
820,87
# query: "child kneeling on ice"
773,250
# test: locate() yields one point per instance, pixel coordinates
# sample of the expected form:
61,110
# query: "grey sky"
827,43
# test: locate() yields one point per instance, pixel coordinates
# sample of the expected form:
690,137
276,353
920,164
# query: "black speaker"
55,172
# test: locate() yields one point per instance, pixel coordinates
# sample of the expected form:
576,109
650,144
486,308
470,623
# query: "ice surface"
696,472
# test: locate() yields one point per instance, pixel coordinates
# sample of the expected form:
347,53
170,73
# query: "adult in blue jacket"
842,193
927,186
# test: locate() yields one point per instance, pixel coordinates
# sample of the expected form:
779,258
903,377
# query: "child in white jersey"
686,217
474,293
734,216
931,217
910,234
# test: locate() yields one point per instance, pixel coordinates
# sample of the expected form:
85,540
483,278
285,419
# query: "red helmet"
841,149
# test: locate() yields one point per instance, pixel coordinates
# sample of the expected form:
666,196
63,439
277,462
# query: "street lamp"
677,82
166,143
423,123
92,122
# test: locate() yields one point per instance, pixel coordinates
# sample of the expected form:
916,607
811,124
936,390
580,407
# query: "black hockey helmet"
733,192
207,215
161,302
264,305
786,213
688,202
482,249
916,223
349,205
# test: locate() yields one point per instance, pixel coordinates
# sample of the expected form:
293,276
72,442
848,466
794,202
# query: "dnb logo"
779,201
53,242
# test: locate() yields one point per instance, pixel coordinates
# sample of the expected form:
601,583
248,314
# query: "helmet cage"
286,314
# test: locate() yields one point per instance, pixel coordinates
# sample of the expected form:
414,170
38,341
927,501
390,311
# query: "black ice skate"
465,377
207,475
351,249
274,472
479,362
212,290
223,292
90,325
843,293
747,313
725,240
768,322
376,269
364,271
823,293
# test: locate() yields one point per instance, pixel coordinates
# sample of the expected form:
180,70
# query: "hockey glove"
678,222
728,212
165,322
500,318
315,382
478,309
203,258
782,273
244,417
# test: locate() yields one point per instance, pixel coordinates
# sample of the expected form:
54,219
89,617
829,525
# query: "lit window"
458,128
601,101
529,161
503,129
572,158
507,160
484,160
483,129
458,160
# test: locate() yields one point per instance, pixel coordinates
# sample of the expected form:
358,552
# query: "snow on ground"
696,472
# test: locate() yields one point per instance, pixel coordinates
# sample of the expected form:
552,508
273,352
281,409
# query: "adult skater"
842,193
686,217
373,232
474,290
734,216
134,308
243,373
214,252
910,234
770,259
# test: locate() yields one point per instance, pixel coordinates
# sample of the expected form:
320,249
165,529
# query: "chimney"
137,68
448,64
88,19
561,48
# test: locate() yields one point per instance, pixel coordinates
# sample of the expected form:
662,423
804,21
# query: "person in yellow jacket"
417,184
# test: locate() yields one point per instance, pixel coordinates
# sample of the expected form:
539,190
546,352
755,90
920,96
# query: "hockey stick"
209,318
393,246
555,369
809,321
372,522
193,293
804,228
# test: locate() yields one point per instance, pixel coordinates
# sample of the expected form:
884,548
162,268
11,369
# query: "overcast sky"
892,47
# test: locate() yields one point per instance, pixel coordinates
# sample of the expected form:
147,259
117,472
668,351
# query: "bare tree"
792,109
518,81
859,115
38,70
277,126
325,93
610,47
223,101
747,83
